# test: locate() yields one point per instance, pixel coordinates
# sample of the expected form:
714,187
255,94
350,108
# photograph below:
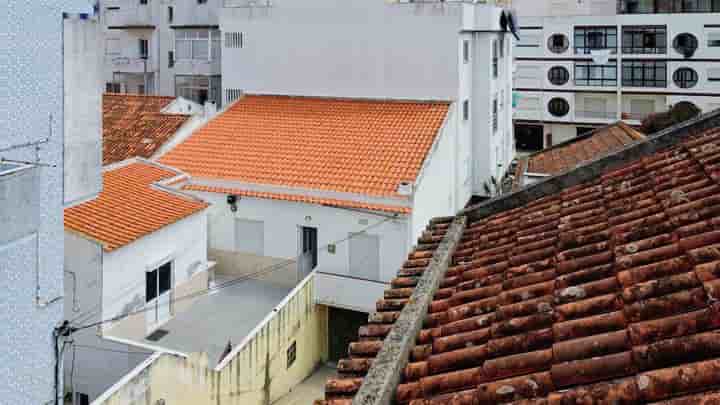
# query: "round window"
685,78
558,75
686,44
558,43
558,107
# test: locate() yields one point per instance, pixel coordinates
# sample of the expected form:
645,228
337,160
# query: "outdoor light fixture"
232,202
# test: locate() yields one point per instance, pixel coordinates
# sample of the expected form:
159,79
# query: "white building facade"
163,48
50,157
584,65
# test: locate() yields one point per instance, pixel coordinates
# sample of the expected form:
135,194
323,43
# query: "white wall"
184,242
564,7
358,48
92,364
348,293
282,220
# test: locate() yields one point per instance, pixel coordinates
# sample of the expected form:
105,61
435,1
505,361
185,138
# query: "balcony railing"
136,17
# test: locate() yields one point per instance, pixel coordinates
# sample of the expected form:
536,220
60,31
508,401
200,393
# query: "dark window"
558,43
558,75
583,130
291,354
143,48
143,1
466,51
170,14
495,115
558,107
528,137
670,6
644,39
171,59
685,78
590,74
645,73
685,44
111,87
466,110
495,58
82,399
588,39
158,281
310,245
202,1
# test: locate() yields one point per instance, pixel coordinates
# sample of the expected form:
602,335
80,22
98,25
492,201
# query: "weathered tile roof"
603,292
346,145
133,125
567,155
129,207
332,202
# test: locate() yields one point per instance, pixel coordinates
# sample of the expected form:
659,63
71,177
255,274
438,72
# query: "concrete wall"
184,243
282,220
360,48
564,7
83,110
31,110
256,372
350,293
93,364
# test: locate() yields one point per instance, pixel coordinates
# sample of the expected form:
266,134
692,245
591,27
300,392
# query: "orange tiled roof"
129,207
300,198
346,145
606,292
133,125
567,155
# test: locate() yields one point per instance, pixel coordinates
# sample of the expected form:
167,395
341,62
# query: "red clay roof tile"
605,292
345,145
129,207
133,125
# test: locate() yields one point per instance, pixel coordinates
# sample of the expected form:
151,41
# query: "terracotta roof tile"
567,155
605,292
129,207
301,198
345,145
133,125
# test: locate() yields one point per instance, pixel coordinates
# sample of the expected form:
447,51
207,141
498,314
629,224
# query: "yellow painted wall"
246,379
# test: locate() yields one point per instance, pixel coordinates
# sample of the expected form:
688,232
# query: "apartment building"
581,65
50,153
168,47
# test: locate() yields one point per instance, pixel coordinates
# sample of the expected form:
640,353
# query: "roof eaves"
594,168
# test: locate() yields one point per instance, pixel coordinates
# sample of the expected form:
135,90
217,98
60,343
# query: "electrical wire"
112,350
232,282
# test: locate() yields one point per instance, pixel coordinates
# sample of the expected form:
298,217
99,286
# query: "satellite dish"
600,56
512,23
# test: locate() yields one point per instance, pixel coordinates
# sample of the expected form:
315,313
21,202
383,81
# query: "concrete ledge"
378,387
594,168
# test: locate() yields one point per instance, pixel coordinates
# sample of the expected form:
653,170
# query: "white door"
158,296
365,256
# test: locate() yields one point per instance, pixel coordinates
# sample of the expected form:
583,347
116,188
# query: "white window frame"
194,35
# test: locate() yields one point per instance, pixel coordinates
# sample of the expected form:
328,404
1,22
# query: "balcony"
137,17
133,64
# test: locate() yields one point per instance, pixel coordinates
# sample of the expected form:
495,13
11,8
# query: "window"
158,281
111,87
645,73
82,399
143,48
291,354
644,39
143,1
588,39
495,115
558,43
466,110
685,44
558,107
170,14
670,6
202,1
639,108
501,46
197,44
558,75
495,58
466,51
234,39
685,78
591,74
198,88
171,59
713,39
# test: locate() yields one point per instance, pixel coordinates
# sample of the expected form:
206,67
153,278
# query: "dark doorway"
528,137
343,328
308,250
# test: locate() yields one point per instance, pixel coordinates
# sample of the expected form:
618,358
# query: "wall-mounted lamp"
232,202
308,218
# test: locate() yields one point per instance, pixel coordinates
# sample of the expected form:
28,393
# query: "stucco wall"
359,48
282,220
256,374
184,242
31,78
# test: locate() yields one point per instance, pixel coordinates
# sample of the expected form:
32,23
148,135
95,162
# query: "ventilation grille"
235,40
232,95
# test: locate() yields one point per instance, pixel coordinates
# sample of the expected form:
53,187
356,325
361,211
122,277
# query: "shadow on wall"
233,265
